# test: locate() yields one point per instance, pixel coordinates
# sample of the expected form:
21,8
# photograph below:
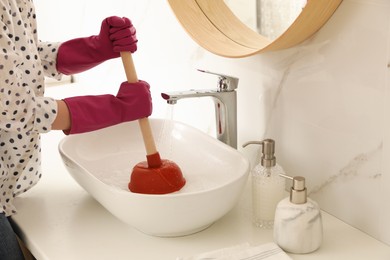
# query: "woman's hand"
116,35
89,113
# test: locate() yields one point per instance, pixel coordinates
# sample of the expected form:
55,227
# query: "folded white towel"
269,251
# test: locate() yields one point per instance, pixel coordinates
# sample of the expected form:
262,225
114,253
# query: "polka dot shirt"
24,111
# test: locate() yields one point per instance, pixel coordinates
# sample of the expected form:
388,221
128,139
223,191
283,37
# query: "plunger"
153,176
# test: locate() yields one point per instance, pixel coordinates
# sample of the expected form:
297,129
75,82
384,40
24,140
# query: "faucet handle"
225,82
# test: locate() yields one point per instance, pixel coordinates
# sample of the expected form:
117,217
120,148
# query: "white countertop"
58,220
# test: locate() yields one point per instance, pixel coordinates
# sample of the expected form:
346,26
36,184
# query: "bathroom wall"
326,102
331,116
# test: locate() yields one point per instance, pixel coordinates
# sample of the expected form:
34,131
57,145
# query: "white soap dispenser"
298,222
268,188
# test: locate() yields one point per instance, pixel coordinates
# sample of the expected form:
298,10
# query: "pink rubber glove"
89,113
77,55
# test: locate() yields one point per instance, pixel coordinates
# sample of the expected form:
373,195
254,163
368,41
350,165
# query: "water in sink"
195,181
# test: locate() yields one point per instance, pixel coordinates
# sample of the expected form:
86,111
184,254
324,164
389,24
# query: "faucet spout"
173,97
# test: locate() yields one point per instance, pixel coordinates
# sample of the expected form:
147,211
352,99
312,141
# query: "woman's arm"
62,121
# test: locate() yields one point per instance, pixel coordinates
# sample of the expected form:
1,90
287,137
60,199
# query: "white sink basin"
102,161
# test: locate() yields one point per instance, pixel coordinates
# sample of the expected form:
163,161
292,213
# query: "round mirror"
269,18
215,27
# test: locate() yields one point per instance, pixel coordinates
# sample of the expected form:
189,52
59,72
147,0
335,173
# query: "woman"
25,113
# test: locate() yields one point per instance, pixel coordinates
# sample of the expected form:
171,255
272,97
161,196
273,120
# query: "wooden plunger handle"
144,125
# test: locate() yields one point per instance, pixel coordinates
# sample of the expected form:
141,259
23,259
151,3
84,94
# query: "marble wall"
331,116
326,102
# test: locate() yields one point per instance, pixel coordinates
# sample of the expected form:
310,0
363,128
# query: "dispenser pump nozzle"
298,191
268,158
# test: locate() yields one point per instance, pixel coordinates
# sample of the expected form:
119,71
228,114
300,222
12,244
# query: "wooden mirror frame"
213,26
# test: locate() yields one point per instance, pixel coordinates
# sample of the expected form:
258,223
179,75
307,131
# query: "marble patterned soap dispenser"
298,222
268,188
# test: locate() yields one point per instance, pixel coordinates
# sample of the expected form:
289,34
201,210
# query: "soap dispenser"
298,222
268,188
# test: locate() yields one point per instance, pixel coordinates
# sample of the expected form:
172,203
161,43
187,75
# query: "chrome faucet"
225,101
